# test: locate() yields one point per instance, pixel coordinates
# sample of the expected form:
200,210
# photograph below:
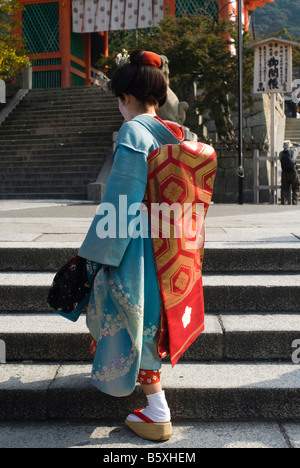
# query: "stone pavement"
190,435
60,223
56,221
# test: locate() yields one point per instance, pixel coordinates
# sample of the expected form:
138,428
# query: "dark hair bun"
141,78
136,57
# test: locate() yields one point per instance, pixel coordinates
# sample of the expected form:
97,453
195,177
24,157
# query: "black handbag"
70,286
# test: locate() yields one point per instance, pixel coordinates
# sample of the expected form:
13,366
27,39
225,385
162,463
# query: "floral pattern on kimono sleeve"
116,369
123,299
150,332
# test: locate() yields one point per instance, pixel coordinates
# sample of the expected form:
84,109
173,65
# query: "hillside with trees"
274,17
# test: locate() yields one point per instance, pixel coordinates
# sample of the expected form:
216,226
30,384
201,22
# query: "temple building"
66,37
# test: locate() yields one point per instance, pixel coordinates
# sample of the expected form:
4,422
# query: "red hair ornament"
150,58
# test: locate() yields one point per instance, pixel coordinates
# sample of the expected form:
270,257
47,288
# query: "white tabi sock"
157,410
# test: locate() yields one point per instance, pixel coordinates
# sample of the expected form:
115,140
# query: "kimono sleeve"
108,238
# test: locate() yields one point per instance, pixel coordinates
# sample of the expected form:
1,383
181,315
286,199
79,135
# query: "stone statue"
173,109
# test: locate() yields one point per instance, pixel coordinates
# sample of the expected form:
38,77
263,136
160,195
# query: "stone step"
77,97
27,292
70,90
32,172
292,126
292,123
114,439
35,185
34,115
64,141
58,107
60,151
67,93
77,162
67,90
61,136
255,257
70,104
60,154
34,168
80,163
43,141
44,196
80,102
70,94
195,391
51,143
19,176
49,337
100,121
217,259
60,123
73,182
292,135
253,292
57,130
56,154
34,95
61,141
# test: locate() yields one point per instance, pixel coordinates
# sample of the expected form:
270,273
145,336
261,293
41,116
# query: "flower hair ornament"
122,58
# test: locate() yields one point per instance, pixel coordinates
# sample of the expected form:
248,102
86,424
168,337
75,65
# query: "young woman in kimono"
132,315
124,308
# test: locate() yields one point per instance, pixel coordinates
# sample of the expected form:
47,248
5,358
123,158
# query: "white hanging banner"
112,15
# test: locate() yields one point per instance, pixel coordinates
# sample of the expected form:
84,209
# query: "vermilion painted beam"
170,7
46,68
87,58
78,73
105,44
78,61
45,55
65,41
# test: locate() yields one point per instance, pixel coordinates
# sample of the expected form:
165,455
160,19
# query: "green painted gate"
195,7
41,34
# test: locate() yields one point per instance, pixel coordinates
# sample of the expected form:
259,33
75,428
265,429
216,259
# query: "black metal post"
240,170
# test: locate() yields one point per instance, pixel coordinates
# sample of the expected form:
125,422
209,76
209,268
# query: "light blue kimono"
124,309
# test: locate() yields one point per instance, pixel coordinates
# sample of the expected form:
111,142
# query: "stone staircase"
54,143
239,369
292,132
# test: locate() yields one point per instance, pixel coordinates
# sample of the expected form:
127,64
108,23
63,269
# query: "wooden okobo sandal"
147,429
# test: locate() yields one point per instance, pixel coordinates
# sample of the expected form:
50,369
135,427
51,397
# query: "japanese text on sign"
273,68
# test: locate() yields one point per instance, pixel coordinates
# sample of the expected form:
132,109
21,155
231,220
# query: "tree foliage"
197,46
276,16
12,53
